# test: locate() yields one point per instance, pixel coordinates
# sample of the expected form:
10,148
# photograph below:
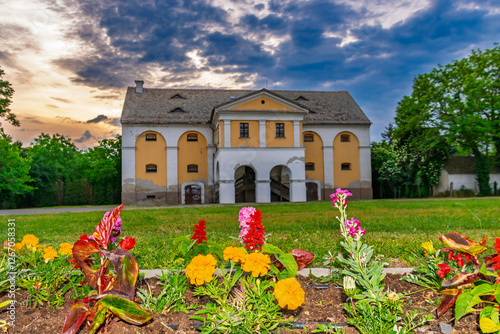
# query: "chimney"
139,89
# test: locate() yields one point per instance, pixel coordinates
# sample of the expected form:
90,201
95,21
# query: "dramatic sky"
70,61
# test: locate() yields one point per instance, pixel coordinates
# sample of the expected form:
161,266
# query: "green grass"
395,228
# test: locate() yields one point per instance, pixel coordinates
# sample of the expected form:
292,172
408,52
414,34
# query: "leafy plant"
328,328
112,295
426,269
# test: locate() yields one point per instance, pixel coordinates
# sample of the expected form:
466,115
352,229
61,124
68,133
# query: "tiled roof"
159,106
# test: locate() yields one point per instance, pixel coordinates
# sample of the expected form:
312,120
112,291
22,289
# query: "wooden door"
192,194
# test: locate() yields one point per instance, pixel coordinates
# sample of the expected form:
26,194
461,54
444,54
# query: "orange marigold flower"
289,292
29,239
18,246
201,269
65,249
256,263
234,253
49,253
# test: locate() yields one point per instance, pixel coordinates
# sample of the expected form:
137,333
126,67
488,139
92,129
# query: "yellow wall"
344,152
314,153
151,152
258,105
253,131
272,141
192,153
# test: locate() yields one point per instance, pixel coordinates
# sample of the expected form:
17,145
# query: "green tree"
54,159
14,171
6,92
455,105
104,171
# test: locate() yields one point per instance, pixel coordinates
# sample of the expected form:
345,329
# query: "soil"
324,304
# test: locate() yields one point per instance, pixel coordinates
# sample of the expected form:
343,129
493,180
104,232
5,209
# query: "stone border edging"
318,272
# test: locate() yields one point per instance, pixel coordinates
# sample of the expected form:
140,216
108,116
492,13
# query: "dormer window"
178,96
301,98
192,137
177,110
345,138
150,136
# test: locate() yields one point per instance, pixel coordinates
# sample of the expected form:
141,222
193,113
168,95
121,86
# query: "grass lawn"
395,228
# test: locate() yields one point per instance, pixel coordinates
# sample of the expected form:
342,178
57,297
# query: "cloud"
98,119
86,137
60,99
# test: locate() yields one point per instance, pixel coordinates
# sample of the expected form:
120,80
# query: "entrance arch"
244,184
280,183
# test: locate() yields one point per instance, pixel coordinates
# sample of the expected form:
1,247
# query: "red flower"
84,237
497,245
254,239
199,232
74,265
460,260
443,270
127,243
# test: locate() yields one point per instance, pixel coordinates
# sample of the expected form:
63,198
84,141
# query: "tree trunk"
482,172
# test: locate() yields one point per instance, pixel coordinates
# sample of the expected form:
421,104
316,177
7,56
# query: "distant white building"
460,172
227,146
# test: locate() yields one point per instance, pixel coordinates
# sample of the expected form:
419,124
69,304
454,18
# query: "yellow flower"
49,253
429,248
65,249
201,269
234,253
257,263
289,292
30,239
18,246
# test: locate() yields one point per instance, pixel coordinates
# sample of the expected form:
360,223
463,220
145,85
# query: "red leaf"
462,278
75,318
446,302
127,271
103,230
82,250
302,257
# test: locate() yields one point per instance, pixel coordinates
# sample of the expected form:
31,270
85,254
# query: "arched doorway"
280,184
244,185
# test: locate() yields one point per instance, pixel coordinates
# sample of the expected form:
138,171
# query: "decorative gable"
262,103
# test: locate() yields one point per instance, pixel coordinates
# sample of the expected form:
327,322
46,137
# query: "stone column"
329,180
227,134
211,173
262,133
296,134
226,191
128,175
172,177
263,191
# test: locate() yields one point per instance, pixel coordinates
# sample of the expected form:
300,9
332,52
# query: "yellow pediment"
262,103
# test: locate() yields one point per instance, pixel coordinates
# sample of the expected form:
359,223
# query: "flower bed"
257,291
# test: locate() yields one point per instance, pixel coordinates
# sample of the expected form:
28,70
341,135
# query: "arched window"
151,168
346,166
192,168
345,138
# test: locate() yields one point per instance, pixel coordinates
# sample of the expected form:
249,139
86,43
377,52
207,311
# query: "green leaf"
465,304
126,310
288,261
271,249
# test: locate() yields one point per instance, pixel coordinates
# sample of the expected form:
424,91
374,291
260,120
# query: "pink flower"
117,228
340,197
353,228
244,218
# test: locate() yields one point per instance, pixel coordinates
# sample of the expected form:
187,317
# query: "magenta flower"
340,196
244,218
353,228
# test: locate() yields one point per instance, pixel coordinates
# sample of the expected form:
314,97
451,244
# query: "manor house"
226,146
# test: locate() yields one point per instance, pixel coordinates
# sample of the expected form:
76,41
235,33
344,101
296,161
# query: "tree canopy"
455,105
6,92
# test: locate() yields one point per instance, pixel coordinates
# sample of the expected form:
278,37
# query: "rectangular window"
151,168
345,138
346,166
192,137
280,130
192,168
150,137
308,138
244,130
310,166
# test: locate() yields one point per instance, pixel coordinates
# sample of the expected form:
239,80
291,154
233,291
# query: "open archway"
280,183
244,184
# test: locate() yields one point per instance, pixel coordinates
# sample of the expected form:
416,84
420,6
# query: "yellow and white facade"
227,146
